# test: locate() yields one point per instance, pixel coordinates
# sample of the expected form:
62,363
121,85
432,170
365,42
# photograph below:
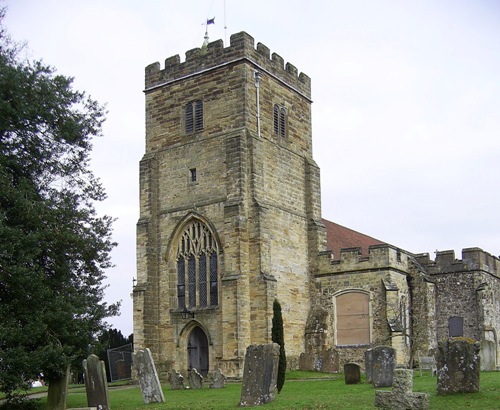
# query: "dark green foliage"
109,340
278,337
53,246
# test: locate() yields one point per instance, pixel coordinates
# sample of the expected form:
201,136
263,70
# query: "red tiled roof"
339,237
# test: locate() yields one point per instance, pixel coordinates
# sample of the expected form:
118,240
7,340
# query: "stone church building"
230,220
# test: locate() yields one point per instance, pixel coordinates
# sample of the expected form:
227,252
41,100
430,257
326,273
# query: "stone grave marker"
260,374
148,377
96,383
352,373
368,365
383,365
58,392
176,380
195,379
458,364
488,354
218,380
402,396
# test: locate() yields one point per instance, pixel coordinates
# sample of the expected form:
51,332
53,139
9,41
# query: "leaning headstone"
402,396
352,373
260,374
96,383
218,380
368,365
458,364
383,365
195,379
58,392
176,380
148,377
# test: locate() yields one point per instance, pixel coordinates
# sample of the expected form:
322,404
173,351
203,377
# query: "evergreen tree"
277,336
54,248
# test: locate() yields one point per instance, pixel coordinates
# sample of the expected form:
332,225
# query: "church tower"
230,211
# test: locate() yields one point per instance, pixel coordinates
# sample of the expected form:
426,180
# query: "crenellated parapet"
213,55
379,257
473,259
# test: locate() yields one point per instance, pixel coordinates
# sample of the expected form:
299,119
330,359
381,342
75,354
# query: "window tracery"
197,250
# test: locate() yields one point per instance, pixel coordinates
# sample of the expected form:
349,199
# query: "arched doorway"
197,351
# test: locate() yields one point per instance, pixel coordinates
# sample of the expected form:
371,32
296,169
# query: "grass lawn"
302,390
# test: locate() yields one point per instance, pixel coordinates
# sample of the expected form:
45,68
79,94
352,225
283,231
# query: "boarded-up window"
456,326
353,320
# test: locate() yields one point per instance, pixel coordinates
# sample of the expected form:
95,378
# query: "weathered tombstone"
488,354
148,377
195,379
368,365
218,380
176,380
260,374
458,363
383,365
58,392
402,396
352,373
96,383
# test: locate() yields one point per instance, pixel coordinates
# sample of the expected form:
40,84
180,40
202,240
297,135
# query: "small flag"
211,21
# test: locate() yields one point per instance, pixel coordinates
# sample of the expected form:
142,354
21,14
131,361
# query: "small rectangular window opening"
192,174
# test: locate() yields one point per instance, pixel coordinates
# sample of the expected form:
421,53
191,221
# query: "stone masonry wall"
258,193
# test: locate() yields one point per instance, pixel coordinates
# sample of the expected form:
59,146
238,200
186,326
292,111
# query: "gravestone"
383,365
96,383
176,380
488,354
260,374
195,379
58,392
368,365
218,380
459,366
402,396
148,377
352,373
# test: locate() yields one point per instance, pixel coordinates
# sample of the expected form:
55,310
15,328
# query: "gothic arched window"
197,267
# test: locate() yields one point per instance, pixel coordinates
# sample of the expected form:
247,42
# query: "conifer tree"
277,336
54,248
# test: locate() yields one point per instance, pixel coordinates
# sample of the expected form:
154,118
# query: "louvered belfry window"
198,251
193,120
279,120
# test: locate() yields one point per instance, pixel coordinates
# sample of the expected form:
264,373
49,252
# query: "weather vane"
207,23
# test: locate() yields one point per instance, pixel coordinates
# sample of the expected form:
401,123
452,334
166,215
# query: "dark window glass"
214,300
192,281
202,280
181,280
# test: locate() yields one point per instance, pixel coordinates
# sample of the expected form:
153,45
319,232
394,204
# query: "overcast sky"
406,112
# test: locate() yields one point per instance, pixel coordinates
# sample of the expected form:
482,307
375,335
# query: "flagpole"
225,27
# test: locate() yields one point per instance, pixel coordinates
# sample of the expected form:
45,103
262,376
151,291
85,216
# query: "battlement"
241,48
473,259
382,256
